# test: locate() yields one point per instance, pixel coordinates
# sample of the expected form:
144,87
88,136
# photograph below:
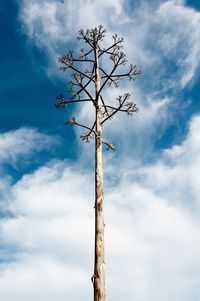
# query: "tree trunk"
99,263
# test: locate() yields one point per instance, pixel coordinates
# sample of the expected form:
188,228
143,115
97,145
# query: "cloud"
41,278
21,143
17,150
179,169
181,45
51,234
160,37
158,205
52,26
152,229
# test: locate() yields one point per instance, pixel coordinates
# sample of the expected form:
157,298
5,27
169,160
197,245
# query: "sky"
151,181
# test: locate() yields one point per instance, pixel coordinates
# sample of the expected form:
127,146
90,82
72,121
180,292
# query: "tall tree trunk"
99,275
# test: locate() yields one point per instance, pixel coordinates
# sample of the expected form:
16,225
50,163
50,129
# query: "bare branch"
124,106
112,81
84,35
132,73
118,58
110,146
104,107
84,55
107,79
86,91
67,60
62,102
89,135
69,64
72,121
83,60
83,87
115,46
92,36
77,80
130,108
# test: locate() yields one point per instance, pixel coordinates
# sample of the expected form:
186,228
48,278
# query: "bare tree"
89,78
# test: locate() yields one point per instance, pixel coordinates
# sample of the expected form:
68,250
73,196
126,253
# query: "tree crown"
83,77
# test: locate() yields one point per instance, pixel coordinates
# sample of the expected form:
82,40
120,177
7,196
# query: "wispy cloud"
157,34
19,144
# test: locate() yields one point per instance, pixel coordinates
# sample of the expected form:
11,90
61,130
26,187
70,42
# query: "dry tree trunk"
99,275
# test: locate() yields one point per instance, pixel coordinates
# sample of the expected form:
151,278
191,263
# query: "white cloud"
179,38
19,144
41,278
152,234
179,169
156,33
54,24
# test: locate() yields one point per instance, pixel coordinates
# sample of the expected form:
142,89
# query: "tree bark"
99,262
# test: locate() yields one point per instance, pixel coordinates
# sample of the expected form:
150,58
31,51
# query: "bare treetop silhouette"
83,80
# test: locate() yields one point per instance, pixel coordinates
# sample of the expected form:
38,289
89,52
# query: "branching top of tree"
88,69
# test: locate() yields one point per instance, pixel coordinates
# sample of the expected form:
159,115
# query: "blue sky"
151,181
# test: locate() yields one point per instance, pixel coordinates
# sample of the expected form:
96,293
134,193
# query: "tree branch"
92,36
77,80
115,82
62,61
115,44
110,146
104,106
124,106
118,59
72,121
85,54
84,86
111,115
62,102
87,136
83,60
132,73
115,66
